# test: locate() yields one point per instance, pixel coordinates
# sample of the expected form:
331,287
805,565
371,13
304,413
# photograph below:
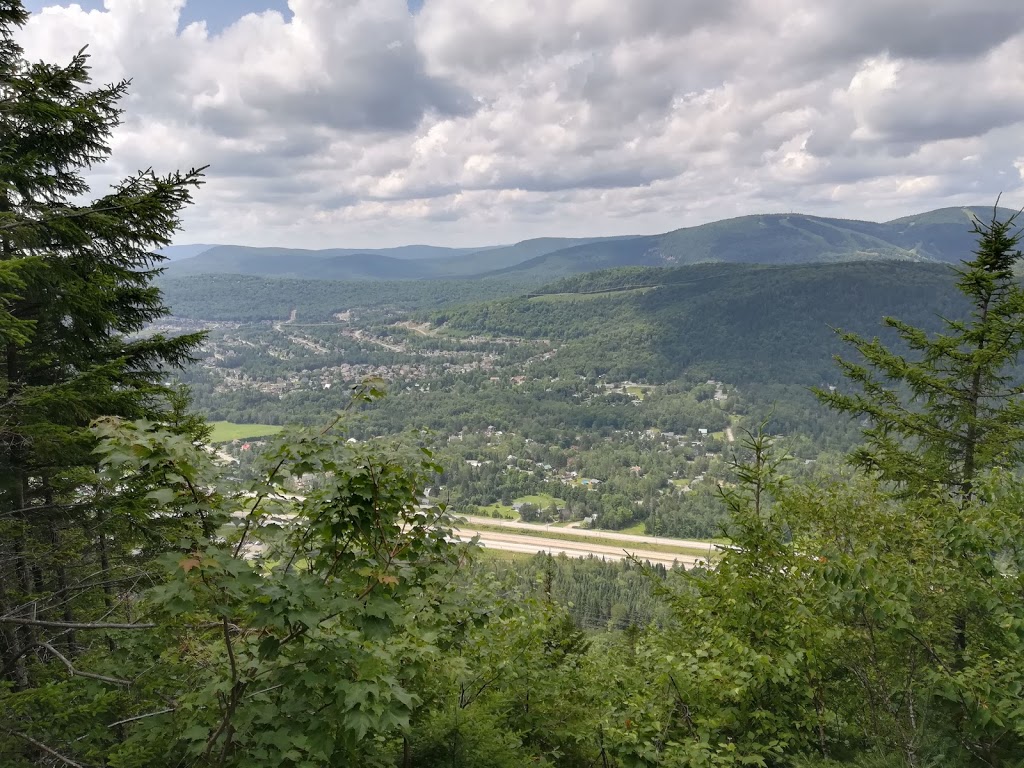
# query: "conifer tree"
953,405
952,410
76,288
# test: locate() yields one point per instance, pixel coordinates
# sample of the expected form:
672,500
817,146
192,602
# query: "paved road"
515,542
591,534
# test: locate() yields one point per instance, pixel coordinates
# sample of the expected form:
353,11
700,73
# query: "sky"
372,123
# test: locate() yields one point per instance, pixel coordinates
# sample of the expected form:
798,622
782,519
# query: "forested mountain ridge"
403,262
252,298
740,322
942,235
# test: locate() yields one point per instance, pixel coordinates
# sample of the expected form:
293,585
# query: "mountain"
738,322
419,261
937,236
494,260
416,251
176,252
334,264
250,298
943,236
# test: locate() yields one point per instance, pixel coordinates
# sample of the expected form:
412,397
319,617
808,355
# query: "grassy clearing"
629,546
636,530
498,510
226,431
502,555
542,500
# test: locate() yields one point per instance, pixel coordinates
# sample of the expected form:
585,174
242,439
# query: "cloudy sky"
462,122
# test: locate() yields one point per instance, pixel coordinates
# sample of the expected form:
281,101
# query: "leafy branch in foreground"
333,603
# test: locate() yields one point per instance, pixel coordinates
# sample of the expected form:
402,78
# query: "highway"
525,543
590,533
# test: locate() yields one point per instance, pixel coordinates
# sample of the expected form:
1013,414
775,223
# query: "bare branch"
142,717
70,624
79,673
48,750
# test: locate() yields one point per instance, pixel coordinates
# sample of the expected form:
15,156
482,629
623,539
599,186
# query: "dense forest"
163,606
252,299
741,322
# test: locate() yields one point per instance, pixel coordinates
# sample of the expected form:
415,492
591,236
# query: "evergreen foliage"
75,292
963,410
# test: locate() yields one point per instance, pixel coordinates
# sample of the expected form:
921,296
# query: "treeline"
598,594
247,298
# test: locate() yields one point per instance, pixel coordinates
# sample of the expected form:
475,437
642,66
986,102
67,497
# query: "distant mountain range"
936,236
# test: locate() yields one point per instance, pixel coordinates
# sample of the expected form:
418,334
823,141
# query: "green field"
226,431
498,510
636,530
541,500
638,391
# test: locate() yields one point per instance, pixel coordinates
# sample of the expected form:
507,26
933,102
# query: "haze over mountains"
936,236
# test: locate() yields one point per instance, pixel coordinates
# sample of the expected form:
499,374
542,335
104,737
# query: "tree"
955,409
76,290
935,578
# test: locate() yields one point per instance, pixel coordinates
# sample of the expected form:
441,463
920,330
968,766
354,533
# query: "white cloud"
475,121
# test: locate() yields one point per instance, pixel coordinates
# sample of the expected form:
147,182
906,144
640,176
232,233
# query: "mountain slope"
943,236
416,261
176,252
503,257
250,298
337,264
940,236
742,323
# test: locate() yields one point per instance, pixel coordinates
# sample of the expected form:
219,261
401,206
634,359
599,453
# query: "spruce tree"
76,290
952,405
952,409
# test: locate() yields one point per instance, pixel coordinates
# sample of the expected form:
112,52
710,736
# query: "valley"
318,449
614,400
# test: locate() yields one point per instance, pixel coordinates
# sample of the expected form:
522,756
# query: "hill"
403,263
741,323
334,264
250,298
939,236
177,252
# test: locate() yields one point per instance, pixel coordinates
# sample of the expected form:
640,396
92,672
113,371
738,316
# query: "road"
514,542
523,542
589,533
